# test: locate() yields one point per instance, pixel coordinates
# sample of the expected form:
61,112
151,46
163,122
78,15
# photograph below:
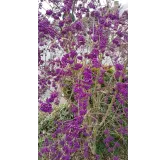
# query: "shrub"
92,74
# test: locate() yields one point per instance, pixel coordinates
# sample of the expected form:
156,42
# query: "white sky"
124,4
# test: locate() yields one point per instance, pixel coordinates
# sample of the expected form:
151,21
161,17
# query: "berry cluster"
82,52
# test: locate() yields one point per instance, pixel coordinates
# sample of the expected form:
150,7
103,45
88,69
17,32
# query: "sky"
124,4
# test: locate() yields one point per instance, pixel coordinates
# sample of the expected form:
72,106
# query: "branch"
108,110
